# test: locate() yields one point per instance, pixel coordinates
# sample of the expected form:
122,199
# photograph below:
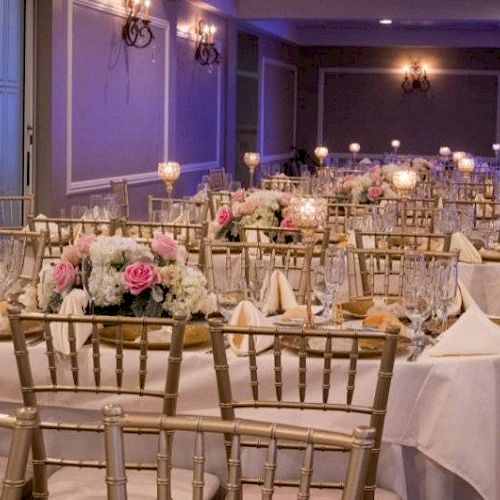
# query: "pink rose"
224,215
139,276
287,223
165,246
84,242
239,195
64,275
285,198
247,208
71,254
374,193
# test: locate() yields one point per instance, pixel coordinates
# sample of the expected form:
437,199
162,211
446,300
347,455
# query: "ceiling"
464,23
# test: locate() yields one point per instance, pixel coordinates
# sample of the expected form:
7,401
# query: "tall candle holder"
308,214
405,181
466,166
321,152
169,172
252,161
395,145
354,149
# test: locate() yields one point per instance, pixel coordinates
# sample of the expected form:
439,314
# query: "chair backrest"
23,252
375,272
274,381
416,215
228,262
62,231
408,240
359,445
271,234
22,426
216,199
217,179
120,189
282,183
14,211
109,375
484,210
196,210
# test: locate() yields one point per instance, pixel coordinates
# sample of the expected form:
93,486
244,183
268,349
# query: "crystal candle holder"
321,153
405,181
169,172
252,161
466,166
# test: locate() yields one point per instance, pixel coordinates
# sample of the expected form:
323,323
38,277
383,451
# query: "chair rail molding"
265,61
394,71
73,187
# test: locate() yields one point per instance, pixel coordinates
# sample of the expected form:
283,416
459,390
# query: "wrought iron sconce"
415,78
137,31
206,52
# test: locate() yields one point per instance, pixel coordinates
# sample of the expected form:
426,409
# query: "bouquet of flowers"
258,208
124,277
371,187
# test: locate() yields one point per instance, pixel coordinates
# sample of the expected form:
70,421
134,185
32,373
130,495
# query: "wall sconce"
415,78
206,52
136,32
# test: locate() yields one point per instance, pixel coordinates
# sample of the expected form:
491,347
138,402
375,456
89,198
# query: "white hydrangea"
106,286
116,250
266,198
188,295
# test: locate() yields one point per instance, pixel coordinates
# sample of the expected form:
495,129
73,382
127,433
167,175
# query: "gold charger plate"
359,308
196,333
491,255
368,348
30,328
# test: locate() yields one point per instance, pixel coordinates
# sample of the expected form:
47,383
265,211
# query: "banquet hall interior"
250,249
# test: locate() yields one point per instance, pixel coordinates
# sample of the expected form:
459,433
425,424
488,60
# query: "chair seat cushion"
251,491
71,483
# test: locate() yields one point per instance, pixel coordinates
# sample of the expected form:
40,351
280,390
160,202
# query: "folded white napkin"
51,227
365,161
468,252
279,294
246,314
472,334
74,303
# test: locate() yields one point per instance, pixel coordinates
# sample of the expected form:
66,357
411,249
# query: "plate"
368,348
196,333
30,328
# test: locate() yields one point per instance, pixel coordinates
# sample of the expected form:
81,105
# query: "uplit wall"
352,94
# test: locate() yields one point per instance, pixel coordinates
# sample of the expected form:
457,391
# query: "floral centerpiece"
257,208
125,277
371,187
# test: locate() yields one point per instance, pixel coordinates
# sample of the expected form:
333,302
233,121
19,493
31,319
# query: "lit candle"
445,151
405,181
395,144
466,165
169,172
321,153
457,156
147,7
213,30
354,148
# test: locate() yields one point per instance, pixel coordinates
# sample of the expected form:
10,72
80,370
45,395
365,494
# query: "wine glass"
334,267
259,281
320,292
444,285
417,302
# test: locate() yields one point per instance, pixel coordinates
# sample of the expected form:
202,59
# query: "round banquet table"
441,436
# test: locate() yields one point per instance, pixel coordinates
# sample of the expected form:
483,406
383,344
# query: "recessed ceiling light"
385,21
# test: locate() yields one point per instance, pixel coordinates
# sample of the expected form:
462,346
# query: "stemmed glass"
417,299
10,264
444,284
334,274
259,279
229,294
320,292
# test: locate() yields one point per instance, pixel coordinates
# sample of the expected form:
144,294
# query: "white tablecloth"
483,283
442,413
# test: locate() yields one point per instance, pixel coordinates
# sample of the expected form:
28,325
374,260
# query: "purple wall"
370,108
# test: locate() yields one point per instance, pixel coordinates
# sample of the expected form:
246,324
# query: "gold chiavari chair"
217,179
409,240
99,369
120,189
484,210
465,190
374,272
15,485
198,208
216,199
23,253
359,445
228,262
62,231
344,216
282,183
272,384
14,210
415,217
271,234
